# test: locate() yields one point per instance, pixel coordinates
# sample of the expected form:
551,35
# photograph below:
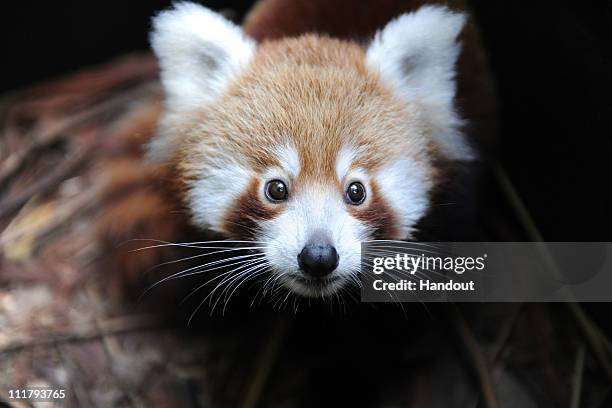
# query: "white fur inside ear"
416,53
199,52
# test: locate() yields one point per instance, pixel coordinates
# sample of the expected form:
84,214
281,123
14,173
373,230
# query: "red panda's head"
307,145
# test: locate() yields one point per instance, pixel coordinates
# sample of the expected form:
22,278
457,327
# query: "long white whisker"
247,264
201,269
230,278
203,255
244,277
212,292
195,244
241,275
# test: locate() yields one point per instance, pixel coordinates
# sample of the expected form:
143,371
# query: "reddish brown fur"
360,19
242,218
137,204
153,210
378,215
316,94
353,19
138,201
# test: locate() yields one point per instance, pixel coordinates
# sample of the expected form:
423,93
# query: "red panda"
314,127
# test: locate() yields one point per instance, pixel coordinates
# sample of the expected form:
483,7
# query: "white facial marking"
289,160
405,187
344,161
222,182
358,174
315,209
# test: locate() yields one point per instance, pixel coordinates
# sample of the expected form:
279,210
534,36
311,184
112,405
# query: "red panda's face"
307,147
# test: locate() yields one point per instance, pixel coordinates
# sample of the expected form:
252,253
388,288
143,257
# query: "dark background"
552,61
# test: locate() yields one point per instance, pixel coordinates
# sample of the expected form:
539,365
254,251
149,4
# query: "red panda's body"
303,135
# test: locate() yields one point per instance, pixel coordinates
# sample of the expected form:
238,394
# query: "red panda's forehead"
314,96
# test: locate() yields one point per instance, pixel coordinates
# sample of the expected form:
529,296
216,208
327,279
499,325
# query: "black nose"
318,259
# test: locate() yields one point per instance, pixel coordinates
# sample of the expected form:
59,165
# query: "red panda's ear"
199,51
416,54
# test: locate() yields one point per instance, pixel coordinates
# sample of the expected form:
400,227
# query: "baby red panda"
308,133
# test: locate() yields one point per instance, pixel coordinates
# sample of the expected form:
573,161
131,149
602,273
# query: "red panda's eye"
276,191
355,193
